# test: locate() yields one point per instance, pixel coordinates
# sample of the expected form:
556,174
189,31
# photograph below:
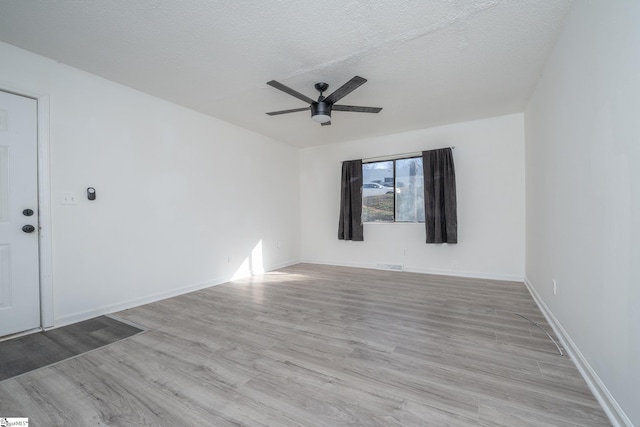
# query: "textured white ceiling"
427,62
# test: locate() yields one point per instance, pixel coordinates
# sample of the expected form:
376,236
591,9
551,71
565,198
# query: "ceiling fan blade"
294,110
346,89
356,108
326,123
287,89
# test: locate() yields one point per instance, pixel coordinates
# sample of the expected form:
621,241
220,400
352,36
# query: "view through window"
393,191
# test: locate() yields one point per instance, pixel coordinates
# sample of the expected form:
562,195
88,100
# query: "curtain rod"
392,156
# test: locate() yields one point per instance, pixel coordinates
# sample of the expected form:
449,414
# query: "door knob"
27,212
28,228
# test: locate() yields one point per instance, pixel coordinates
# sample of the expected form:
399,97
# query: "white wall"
489,161
583,193
182,198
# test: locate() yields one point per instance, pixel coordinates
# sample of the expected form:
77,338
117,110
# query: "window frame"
393,160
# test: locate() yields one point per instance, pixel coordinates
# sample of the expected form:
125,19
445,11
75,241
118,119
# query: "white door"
19,268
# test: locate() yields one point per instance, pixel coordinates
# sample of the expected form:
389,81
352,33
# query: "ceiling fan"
321,109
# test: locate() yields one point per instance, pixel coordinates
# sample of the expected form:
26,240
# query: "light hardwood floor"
320,346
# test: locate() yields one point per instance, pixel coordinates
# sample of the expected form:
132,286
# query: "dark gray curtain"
350,226
440,209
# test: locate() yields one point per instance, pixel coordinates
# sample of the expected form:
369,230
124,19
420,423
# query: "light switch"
69,198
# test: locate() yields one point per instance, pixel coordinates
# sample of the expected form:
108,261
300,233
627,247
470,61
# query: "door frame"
45,258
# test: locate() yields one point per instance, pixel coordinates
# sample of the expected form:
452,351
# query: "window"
393,191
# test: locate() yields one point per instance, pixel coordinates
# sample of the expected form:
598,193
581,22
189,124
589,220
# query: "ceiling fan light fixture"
321,118
321,112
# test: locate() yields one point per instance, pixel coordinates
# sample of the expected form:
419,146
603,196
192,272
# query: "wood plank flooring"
313,345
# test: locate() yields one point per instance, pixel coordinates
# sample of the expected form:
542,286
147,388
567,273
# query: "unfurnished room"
305,213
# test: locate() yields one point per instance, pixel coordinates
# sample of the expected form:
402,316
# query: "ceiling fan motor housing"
321,108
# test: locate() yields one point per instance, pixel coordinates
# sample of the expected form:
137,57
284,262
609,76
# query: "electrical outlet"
555,287
405,252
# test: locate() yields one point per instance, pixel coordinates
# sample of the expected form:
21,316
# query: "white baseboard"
147,299
410,269
470,274
338,263
108,309
283,265
613,410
